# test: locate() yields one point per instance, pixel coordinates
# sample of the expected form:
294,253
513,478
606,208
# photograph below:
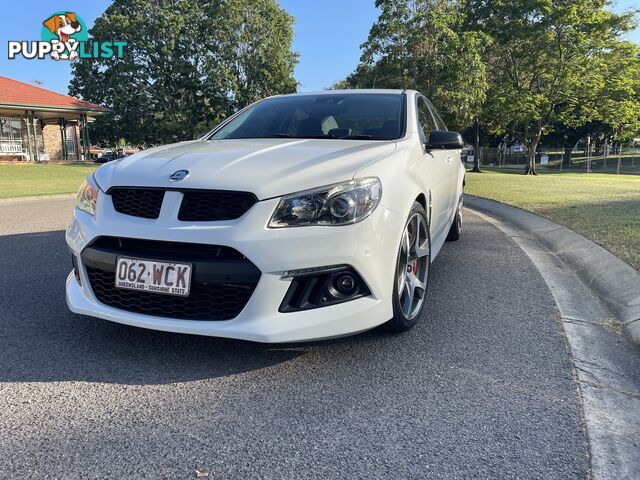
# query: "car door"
438,170
453,163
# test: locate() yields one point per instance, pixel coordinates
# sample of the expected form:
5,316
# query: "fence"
551,159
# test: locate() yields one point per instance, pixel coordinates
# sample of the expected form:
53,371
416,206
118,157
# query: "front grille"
196,206
137,202
222,283
214,205
205,302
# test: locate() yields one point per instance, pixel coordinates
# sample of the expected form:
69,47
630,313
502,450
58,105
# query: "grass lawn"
27,179
602,207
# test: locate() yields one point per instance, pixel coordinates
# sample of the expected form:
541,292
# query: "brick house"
41,125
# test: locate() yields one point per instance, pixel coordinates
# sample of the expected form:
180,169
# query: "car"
106,157
109,157
301,217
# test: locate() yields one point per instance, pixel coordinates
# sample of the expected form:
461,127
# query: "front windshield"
346,116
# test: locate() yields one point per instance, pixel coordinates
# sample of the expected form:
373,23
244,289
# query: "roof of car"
354,90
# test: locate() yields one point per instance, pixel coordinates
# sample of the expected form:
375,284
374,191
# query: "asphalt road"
481,388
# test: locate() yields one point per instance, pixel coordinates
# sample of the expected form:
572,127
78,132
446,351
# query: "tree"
187,65
421,44
338,85
546,62
619,100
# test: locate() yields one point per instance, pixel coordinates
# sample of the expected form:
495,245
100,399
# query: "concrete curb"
36,198
614,282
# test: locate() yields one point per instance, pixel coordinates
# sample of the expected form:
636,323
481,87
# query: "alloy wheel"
413,266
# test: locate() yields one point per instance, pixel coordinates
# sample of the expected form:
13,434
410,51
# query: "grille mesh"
137,202
212,302
213,205
222,280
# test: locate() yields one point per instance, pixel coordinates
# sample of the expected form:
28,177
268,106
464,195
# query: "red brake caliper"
412,267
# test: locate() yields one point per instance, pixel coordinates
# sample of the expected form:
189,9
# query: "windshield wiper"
356,137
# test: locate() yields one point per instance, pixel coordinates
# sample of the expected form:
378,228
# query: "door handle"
449,159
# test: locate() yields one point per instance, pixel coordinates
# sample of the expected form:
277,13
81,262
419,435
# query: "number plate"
152,276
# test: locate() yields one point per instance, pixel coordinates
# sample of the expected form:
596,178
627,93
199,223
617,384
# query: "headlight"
88,196
340,204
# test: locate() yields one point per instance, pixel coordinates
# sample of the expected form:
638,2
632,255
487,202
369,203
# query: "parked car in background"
109,156
106,157
301,217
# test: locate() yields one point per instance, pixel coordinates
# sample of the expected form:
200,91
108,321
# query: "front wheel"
412,271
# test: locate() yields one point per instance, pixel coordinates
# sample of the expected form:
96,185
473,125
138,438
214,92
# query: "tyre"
456,226
411,275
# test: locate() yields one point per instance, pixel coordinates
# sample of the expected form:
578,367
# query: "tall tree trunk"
619,165
530,168
476,146
588,154
566,157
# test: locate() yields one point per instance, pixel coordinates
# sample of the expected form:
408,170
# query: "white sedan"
301,217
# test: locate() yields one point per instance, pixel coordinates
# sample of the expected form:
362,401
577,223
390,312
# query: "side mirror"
444,140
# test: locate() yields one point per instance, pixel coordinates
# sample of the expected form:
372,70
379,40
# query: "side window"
425,120
439,122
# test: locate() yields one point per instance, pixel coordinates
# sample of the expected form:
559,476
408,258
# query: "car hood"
266,167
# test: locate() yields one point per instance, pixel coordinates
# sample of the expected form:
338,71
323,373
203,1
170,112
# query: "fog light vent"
322,286
345,284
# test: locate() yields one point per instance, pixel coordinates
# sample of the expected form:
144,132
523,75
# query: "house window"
11,131
70,135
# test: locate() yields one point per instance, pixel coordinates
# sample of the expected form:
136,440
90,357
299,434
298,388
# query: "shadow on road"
40,340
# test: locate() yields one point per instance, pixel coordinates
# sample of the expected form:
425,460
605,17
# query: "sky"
328,35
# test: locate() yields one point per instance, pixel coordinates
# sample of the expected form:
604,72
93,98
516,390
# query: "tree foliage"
523,68
618,101
422,44
550,62
188,64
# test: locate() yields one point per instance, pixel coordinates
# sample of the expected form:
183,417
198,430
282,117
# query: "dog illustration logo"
67,29
65,36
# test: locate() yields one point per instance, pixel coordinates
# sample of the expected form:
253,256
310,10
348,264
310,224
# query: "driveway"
481,388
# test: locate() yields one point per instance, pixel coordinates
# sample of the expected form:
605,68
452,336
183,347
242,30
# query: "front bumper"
370,247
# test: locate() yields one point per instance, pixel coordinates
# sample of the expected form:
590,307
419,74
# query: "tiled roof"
13,92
